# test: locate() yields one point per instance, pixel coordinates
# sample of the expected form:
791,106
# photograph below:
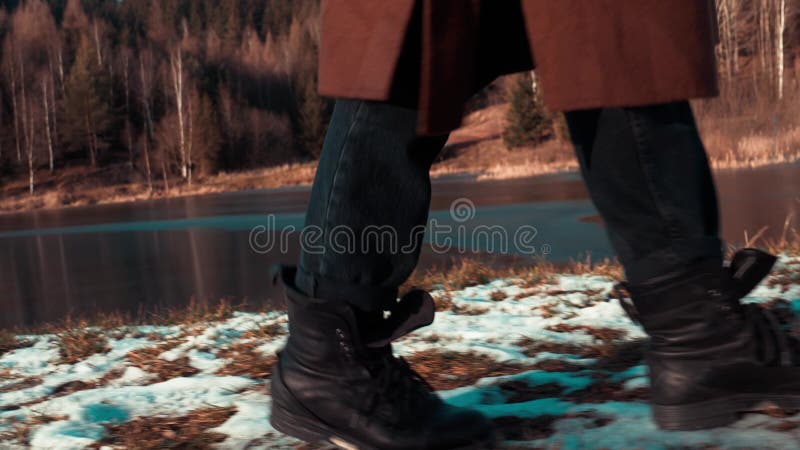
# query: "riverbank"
548,354
476,150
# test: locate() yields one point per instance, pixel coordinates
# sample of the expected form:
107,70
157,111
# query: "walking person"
622,72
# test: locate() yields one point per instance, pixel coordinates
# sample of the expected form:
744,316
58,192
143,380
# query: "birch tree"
177,78
780,29
145,93
46,116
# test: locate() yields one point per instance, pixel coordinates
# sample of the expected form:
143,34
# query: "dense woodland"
173,89
167,91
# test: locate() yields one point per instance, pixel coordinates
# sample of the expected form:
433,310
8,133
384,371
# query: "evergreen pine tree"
312,116
313,119
527,121
88,119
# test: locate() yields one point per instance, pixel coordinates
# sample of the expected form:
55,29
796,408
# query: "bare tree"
46,114
780,29
145,94
180,90
28,65
727,14
10,65
753,41
74,16
177,77
126,57
30,147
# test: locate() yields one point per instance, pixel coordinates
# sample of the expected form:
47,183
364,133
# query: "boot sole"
309,431
718,412
301,427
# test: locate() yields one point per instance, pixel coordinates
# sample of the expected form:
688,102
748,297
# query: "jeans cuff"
678,256
362,296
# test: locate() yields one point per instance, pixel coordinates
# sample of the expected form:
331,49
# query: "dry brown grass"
601,334
787,243
118,324
468,272
444,302
196,312
79,385
750,121
498,296
63,389
449,370
24,383
263,331
738,131
784,279
78,342
748,127
602,389
10,341
610,352
246,361
469,310
477,148
185,432
81,186
148,360
464,273
532,348
20,432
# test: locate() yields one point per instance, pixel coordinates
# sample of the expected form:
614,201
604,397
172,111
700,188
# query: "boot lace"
775,344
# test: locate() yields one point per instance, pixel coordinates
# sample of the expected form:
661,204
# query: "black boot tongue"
748,267
412,312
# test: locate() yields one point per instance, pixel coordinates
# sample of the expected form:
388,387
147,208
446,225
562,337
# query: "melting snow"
563,312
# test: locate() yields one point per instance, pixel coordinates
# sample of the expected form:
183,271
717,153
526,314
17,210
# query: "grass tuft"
468,272
10,341
448,370
20,429
185,432
79,342
25,383
148,360
246,361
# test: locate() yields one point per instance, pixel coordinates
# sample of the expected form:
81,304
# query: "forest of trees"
759,71
759,47
172,89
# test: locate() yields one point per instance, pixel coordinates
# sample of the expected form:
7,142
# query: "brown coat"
434,54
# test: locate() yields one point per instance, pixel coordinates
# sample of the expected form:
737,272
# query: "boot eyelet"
726,311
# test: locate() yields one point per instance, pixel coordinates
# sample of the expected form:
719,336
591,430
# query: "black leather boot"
710,357
337,380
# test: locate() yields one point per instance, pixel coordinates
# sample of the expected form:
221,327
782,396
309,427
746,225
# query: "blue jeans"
645,168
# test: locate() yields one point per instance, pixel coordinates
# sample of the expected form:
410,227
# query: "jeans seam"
329,201
641,144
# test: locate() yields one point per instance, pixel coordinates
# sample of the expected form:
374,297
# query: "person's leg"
710,357
369,205
336,379
648,175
